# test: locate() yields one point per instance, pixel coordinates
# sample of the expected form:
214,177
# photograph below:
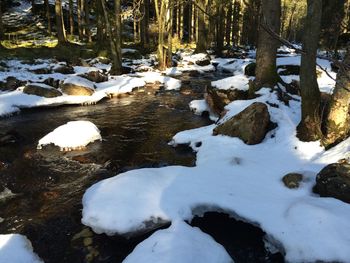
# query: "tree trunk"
71,17
100,24
161,9
220,28
61,33
170,33
202,39
266,72
236,22
338,121
87,21
309,129
80,27
1,25
48,17
113,41
117,65
228,23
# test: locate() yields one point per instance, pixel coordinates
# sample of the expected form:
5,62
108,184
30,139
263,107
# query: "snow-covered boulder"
63,69
16,248
95,76
78,86
41,90
72,135
179,243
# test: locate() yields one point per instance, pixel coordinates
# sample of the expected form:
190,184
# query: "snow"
179,243
199,106
41,85
239,82
16,248
120,84
242,180
72,135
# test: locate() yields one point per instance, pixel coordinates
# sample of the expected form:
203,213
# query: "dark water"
49,184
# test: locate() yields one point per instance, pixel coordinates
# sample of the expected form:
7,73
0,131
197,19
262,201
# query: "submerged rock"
217,99
292,180
41,90
250,125
334,181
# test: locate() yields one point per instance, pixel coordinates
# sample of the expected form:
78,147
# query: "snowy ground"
241,180
244,181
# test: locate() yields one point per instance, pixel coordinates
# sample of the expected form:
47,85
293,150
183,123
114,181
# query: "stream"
41,190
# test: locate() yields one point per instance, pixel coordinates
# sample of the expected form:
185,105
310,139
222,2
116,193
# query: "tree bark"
1,25
266,72
61,33
71,17
338,121
228,23
220,28
87,21
236,22
117,65
80,27
48,17
202,39
309,129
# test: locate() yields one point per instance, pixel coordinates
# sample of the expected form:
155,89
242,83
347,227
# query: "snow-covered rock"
72,135
78,86
16,248
179,243
239,82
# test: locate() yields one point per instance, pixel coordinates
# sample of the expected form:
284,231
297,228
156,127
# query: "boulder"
42,90
95,76
285,70
63,69
11,83
334,181
292,180
249,70
77,86
217,99
41,71
203,62
250,125
52,82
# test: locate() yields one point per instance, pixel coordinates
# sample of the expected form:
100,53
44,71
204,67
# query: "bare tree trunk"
170,33
1,25
87,21
61,33
100,23
309,129
115,43
266,72
48,17
220,28
338,119
236,22
228,23
161,17
202,41
80,27
71,17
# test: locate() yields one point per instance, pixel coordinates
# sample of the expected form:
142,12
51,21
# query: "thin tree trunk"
170,35
100,23
1,25
220,29
202,41
87,21
309,129
266,72
338,119
117,67
48,17
71,17
236,22
80,27
61,33
228,23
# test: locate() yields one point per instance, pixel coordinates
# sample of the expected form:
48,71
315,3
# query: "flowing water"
41,190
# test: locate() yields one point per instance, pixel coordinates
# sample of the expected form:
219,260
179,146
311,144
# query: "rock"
250,125
63,69
203,62
217,99
52,82
249,70
11,84
334,181
234,53
131,54
42,90
9,137
285,70
127,70
95,76
77,86
41,71
292,180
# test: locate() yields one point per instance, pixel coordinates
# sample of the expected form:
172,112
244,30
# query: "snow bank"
16,248
179,243
79,81
73,134
243,180
239,82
